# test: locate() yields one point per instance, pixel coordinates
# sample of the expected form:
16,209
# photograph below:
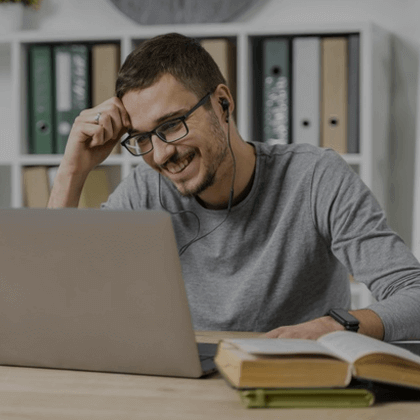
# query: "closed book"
306,85
223,52
276,90
72,89
41,100
329,362
36,186
95,190
353,124
306,398
334,93
105,66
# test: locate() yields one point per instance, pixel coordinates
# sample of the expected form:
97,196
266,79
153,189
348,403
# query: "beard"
217,149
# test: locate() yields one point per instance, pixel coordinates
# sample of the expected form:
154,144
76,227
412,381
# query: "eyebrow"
159,121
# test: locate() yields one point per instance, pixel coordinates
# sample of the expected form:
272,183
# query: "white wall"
400,17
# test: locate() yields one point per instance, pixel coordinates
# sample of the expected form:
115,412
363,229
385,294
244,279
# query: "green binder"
41,98
72,88
306,398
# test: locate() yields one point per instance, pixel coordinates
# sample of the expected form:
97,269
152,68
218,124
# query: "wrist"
67,188
331,324
345,318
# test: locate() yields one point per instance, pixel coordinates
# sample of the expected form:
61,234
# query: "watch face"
344,318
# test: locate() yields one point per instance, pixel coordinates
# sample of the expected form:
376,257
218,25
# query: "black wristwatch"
349,322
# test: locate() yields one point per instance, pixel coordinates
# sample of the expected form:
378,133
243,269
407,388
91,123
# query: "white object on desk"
416,203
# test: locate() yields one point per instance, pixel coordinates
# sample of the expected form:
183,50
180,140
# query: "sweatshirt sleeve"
351,221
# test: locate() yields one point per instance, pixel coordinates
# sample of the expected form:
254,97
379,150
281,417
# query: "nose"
161,151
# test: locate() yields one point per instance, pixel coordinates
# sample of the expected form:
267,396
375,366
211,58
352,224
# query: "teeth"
176,168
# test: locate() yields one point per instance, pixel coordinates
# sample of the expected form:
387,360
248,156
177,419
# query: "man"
267,234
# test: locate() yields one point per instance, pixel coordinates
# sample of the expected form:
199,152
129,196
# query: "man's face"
195,163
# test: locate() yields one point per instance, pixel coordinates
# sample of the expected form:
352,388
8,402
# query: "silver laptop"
94,290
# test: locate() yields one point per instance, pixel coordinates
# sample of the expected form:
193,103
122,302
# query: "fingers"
107,121
94,133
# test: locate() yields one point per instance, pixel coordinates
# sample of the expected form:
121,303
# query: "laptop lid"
94,290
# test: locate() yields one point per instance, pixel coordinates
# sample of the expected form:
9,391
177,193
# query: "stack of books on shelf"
38,181
340,369
63,81
307,90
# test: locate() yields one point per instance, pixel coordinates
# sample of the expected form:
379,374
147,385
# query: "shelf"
374,69
54,160
375,66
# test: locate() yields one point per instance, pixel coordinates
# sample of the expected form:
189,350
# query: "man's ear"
223,95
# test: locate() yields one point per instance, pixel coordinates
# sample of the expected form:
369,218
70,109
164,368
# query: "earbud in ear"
225,106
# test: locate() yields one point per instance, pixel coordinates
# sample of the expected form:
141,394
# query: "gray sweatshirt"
284,253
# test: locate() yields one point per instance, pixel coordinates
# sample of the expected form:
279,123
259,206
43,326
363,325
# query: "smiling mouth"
179,165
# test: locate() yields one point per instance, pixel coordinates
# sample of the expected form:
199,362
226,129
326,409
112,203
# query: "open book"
330,361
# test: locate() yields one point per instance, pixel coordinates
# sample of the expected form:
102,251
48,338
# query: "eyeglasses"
141,143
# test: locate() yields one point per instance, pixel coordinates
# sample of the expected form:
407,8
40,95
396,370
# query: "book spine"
334,94
41,133
80,80
36,186
63,100
276,90
306,398
72,88
223,52
306,90
105,66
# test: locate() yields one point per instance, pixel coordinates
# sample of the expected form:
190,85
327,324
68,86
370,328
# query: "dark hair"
182,57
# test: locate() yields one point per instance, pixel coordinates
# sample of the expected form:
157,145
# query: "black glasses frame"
156,130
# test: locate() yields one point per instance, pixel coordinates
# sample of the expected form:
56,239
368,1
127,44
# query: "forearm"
94,134
67,189
370,323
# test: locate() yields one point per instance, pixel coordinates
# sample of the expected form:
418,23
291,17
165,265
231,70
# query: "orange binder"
105,66
223,53
334,94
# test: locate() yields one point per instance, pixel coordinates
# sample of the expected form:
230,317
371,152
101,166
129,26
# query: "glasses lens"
138,145
172,130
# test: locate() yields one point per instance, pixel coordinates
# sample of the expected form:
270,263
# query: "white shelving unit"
371,163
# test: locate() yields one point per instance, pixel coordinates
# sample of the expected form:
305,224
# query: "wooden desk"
57,394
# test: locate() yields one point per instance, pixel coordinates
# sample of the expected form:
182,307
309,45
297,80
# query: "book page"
352,346
281,346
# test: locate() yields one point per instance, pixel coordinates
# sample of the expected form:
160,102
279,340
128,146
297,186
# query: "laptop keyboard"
207,351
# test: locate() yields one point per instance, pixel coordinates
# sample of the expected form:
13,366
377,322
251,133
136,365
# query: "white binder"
306,90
